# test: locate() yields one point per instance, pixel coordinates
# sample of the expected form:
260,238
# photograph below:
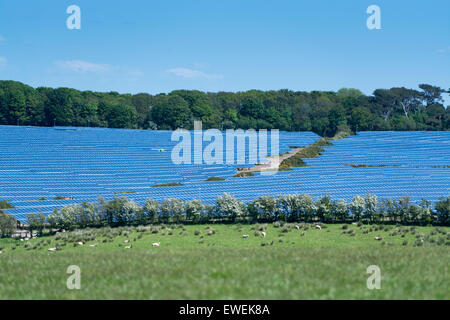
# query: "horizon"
215,92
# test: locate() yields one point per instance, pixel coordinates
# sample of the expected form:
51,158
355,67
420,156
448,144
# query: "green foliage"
62,198
215,179
320,111
170,184
443,210
311,151
288,208
36,222
230,207
7,224
365,165
4,204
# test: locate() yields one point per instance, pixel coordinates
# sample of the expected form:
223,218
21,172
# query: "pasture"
217,262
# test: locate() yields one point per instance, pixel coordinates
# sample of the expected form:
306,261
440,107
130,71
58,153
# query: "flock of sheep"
263,234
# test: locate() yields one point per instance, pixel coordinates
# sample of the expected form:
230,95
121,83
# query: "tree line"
319,111
227,209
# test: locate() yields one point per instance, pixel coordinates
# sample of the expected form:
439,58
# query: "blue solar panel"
83,163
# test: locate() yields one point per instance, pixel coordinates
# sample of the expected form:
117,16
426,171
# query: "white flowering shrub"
264,207
172,208
194,210
151,209
230,207
340,210
357,206
370,206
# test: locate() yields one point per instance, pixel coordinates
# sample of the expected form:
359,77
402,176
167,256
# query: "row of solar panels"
85,162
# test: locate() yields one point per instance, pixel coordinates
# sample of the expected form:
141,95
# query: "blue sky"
158,46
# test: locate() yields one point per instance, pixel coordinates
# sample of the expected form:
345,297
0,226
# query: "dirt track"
274,162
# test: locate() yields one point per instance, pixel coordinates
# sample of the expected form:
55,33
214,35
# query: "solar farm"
39,165
211,259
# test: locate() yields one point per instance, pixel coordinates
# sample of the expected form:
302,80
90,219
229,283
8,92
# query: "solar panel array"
84,163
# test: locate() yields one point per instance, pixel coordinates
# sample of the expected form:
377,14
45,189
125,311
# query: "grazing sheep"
318,227
1,252
378,238
52,249
263,234
80,243
129,247
297,227
303,233
156,244
245,236
126,241
93,245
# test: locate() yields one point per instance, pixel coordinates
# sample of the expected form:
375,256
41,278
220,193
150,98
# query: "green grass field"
190,264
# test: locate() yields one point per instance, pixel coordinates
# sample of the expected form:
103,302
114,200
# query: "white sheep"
52,249
93,245
318,227
80,243
297,227
156,244
126,241
263,234
129,247
245,236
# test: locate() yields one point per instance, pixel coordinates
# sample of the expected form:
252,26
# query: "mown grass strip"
171,184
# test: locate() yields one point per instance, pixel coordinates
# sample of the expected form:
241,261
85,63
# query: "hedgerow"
227,209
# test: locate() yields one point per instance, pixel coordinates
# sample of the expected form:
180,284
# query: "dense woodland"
319,111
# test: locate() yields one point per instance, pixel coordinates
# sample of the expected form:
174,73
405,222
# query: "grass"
312,151
369,165
4,204
125,192
215,179
170,184
244,174
62,198
190,264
